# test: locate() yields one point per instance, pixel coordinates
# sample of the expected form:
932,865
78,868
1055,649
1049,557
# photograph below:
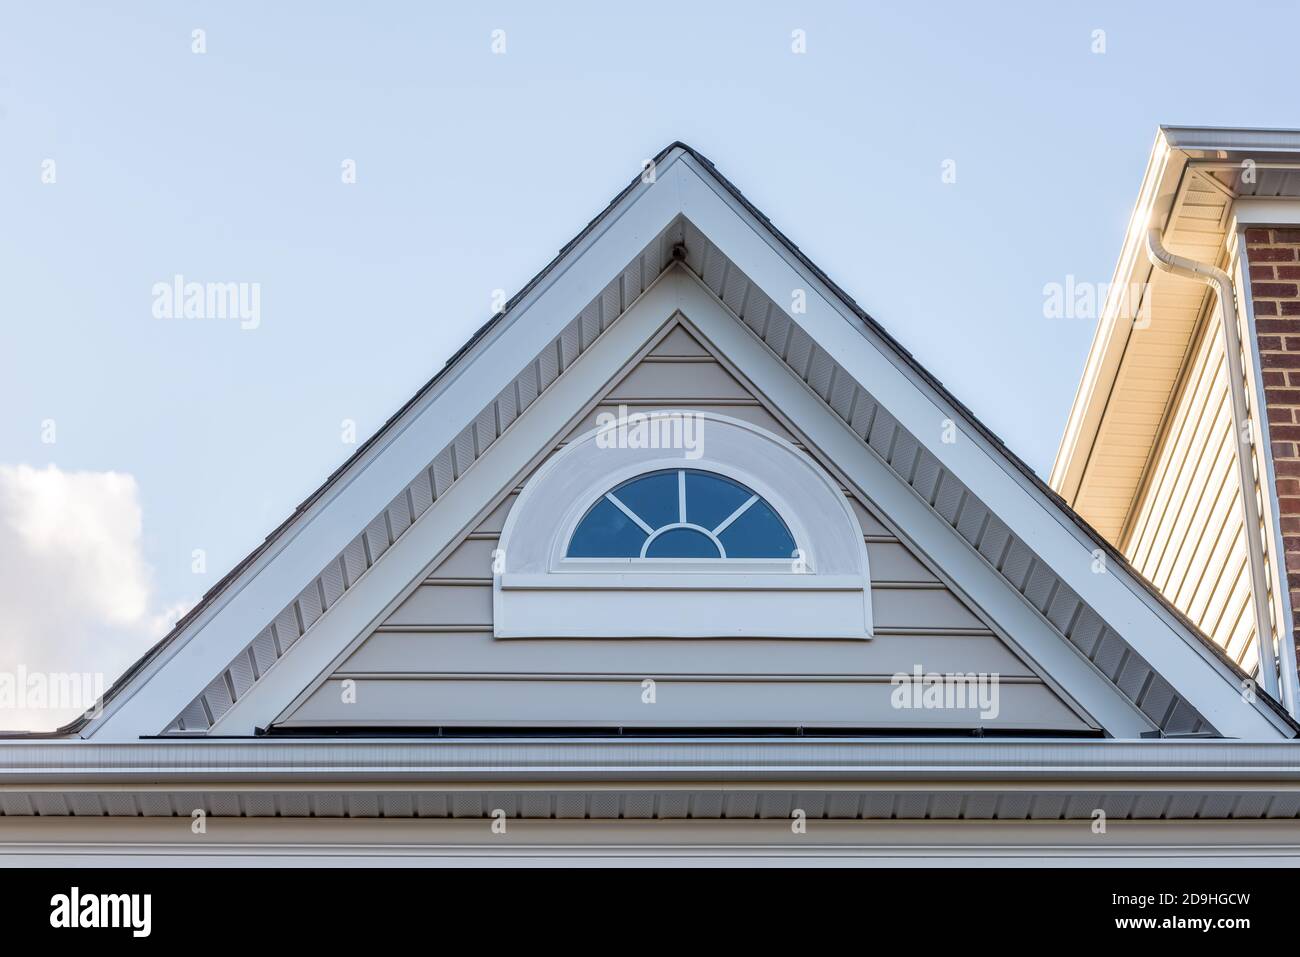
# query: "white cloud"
76,595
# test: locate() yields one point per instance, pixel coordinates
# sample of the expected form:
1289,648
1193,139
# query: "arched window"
681,513
740,535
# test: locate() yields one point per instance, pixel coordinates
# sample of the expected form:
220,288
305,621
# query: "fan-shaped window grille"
681,513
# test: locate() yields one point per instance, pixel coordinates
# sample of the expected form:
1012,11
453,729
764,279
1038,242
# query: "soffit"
655,778
1153,358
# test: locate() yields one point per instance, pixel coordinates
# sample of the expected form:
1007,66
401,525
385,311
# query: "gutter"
385,763
1225,291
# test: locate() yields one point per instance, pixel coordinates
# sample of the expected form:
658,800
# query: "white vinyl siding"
1186,533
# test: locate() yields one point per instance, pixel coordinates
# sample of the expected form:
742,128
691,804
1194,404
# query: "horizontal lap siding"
434,660
904,593
753,414
463,651
676,382
559,701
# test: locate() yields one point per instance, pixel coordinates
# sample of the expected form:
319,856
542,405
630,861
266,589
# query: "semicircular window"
681,513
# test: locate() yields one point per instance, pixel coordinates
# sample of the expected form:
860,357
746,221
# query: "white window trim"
825,593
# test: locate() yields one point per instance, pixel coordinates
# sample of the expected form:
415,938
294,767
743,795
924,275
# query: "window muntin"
681,514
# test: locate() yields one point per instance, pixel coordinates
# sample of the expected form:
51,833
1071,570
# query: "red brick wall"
1273,259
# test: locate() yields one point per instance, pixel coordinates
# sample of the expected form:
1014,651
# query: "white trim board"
315,842
1266,472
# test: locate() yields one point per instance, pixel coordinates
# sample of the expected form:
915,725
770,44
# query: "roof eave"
1229,143
1174,148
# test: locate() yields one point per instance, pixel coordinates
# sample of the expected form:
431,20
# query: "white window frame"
824,592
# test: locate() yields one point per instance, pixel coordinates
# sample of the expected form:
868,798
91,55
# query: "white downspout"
1168,262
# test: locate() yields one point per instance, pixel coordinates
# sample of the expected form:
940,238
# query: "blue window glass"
606,532
652,497
710,499
758,533
682,542
681,513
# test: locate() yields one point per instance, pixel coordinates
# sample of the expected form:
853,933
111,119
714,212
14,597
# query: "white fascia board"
1207,683
1265,211
1064,667
629,842
1228,143
323,531
408,561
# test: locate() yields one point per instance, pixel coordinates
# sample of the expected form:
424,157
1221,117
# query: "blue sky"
473,168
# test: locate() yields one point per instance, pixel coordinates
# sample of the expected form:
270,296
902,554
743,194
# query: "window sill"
673,605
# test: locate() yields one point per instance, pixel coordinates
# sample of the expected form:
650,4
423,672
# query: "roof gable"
373,507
